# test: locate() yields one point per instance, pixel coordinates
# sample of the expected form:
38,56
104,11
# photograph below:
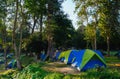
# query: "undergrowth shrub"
104,74
35,71
54,76
31,72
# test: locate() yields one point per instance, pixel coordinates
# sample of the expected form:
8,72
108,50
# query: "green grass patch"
26,60
112,59
112,53
2,67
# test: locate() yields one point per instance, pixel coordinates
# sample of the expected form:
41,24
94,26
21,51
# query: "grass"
112,53
112,59
36,71
26,60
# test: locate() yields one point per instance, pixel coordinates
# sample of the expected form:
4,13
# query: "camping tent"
67,56
57,55
12,64
87,59
1,54
1,61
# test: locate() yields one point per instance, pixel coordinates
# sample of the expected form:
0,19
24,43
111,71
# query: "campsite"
59,39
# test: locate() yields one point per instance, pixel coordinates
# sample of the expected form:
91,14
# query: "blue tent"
12,64
72,56
1,61
57,55
9,56
1,54
43,56
67,56
87,59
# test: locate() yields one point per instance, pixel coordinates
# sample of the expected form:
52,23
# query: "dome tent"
1,61
87,59
67,56
12,64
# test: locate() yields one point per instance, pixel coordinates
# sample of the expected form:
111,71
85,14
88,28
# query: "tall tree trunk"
5,51
4,38
49,47
95,38
5,57
49,27
14,38
41,23
108,45
92,44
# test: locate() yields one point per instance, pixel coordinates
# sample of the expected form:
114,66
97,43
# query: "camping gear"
42,56
83,59
87,59
12,64
1,54
1,61
57,55
9,56
67,56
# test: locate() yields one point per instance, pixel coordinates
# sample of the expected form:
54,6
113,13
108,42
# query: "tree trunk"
95,42
18,63
34,24
17,54
4,33
108,45
92,44
96,24
41,23
49,47
49,27
5,58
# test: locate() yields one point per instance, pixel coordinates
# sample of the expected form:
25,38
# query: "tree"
78,38
89,35
17,35
53,7
87,9
36,10
4,41
3,10
63,31
107,10
109,13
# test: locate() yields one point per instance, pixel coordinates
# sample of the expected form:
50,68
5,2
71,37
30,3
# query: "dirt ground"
61,67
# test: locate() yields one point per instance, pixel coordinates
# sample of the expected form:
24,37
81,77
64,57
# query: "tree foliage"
102,16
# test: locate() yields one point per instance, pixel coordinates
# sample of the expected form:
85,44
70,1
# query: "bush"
105,74
54,76
31,72
35,71
7,74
